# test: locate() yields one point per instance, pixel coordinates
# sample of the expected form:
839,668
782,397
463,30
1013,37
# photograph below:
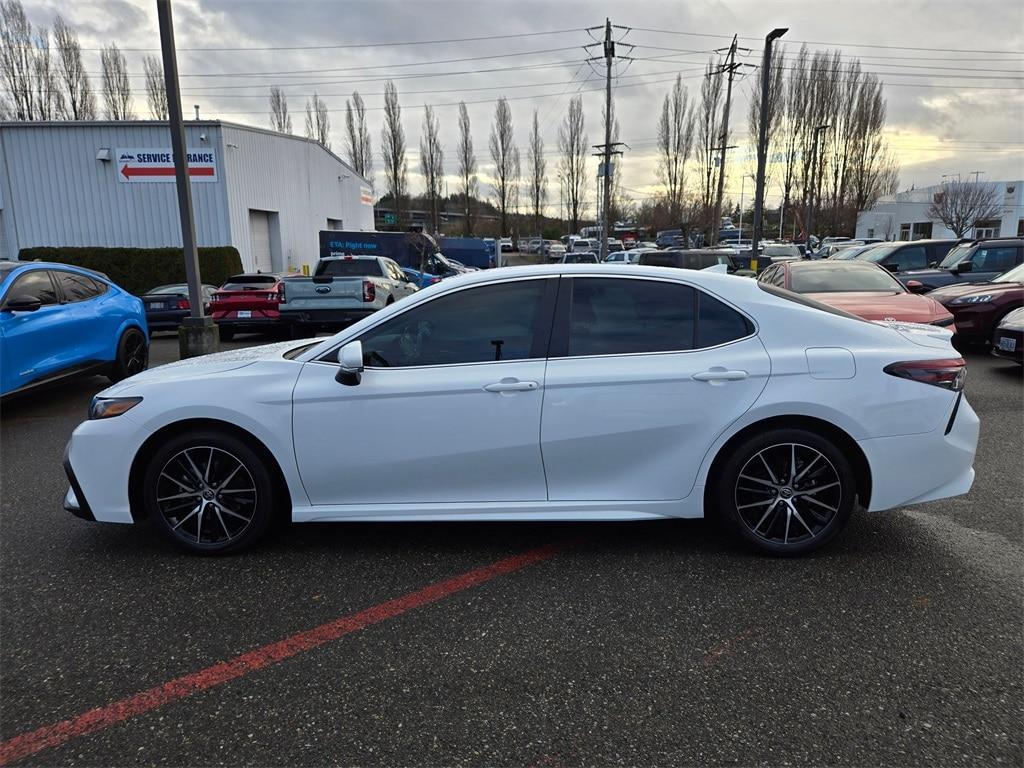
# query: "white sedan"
562,392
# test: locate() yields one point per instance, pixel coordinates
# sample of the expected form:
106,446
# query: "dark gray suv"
977,262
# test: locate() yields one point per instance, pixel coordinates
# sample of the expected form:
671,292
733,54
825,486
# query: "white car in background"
562,392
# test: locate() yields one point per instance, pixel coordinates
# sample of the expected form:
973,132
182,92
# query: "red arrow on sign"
129,171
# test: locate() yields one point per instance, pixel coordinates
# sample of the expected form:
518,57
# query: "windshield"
845,254
5,268
841,278
1015,275
351,268
877,253
580,258
955,256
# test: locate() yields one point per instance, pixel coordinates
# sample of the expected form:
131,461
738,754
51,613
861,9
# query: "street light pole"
197,334
762,138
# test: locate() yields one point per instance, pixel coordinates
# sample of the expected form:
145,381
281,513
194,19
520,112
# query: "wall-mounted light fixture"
103,154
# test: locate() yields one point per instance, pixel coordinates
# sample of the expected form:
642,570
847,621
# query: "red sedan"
247,303
978,307
860,288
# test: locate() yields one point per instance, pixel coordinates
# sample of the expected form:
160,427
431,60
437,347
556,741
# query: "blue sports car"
57,320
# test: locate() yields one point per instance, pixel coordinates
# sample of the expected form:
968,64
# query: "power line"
346,46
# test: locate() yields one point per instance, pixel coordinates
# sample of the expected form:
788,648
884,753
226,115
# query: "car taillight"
369,291
948,373
183,304
275,296
217,297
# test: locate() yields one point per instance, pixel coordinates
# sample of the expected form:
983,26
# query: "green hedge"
138,270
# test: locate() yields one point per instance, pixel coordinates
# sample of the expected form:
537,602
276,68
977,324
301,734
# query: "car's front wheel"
132,355
786,491
209,492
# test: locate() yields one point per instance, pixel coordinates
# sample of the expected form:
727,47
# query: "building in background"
112,184
904,216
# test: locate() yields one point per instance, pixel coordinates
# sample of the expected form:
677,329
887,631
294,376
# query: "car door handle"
720,374
512,385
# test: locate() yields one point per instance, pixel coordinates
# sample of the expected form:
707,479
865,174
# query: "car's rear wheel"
132,355
209,492
226,334
786,491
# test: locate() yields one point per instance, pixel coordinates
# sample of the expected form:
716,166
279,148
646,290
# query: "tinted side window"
612,316
909,258
995,259
78,287
36,284
718,323
485,324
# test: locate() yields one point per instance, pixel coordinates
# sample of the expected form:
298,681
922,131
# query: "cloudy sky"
954,71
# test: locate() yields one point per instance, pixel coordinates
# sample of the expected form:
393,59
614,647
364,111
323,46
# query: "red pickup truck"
248,304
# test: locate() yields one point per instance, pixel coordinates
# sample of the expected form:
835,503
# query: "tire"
209,493
769,505
225,333
132,355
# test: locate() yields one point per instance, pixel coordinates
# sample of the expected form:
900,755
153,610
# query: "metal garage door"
259,240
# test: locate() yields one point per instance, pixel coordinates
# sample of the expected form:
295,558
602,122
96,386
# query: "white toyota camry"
563,392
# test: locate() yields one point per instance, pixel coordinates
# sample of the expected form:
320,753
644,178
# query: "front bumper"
973,322
1017,353
74,499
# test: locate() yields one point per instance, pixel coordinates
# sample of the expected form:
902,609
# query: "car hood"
973,289
873,305
915,274
192,367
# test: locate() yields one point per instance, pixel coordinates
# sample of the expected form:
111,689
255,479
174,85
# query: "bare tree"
467,167
48,96
505,156
961,205
537,168
156,88
793,116
318,121
280,120
775,135
392,136
357,137
17,53
675,144
79,100
117,91
572,148
708,127
432,162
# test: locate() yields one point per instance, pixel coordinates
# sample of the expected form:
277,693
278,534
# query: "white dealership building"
111,183
904,216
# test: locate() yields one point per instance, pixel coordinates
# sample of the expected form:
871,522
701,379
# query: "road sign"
389,218
156,164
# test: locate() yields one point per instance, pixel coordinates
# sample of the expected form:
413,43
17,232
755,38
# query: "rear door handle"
720,374
512,385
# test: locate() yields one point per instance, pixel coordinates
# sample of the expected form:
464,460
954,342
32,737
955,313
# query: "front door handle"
512,385
720,374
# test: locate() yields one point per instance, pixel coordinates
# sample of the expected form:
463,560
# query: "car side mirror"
933,264
22,303
964,266
350,357
892,267
915,286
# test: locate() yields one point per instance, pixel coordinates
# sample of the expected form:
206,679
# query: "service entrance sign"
156,164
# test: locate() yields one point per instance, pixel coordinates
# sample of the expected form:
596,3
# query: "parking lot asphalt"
658,643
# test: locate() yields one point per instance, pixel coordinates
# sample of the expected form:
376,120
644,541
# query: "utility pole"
608,148
811,184
976,175
197,334
762,137
730,69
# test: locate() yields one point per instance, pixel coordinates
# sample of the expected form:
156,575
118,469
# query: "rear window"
841,278
662,259
249,283
350,268
796,298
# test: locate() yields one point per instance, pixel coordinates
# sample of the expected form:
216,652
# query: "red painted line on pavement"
103,717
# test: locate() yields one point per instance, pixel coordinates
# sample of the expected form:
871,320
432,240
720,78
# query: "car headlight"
972,299
108,407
